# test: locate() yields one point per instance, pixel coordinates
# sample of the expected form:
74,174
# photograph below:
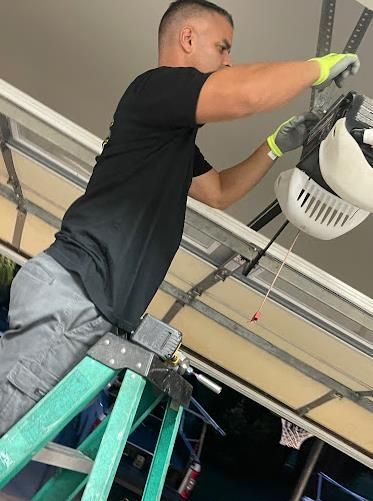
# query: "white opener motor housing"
330,192
313,209
345,168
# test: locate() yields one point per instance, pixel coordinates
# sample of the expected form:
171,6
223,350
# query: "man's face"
211,43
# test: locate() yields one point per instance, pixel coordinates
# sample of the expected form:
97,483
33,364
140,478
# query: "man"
118,240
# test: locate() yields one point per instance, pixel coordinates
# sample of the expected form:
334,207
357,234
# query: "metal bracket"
365,394
359,31
331,395
173,311
119,353
325,38
14,182
31,208
219,275
321,101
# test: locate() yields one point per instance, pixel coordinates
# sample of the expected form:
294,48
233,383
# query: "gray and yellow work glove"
335,67
291,134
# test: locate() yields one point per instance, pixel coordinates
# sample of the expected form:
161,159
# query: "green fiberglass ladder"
153,370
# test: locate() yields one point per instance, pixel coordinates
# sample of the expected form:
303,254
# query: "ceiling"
78,56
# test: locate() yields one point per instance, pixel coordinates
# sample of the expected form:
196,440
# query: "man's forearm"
275,84
236,181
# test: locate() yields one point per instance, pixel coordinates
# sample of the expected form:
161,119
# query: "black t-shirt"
123,233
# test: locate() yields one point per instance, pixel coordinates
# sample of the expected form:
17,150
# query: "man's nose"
228,61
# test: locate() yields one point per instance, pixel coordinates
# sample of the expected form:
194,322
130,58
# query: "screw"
106,342
123,350
112,361
138,365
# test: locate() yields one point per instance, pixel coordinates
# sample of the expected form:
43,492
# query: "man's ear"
185,39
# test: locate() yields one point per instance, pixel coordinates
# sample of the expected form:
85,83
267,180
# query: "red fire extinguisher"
187,485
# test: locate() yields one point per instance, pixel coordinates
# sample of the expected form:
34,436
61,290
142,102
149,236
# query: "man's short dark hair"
190,7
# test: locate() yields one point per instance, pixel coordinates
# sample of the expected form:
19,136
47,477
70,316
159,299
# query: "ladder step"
64,457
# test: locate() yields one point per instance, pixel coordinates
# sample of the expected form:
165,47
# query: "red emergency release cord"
258,314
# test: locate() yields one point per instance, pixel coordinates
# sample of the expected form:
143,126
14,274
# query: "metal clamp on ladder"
153,369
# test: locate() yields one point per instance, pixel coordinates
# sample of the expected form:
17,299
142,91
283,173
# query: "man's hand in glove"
291,134
335,67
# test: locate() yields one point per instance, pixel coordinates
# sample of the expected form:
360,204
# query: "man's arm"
246,89
221,189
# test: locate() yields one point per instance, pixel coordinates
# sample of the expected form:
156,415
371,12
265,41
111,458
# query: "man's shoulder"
164,71
161,77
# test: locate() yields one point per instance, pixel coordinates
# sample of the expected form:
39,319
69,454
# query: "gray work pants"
52,326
